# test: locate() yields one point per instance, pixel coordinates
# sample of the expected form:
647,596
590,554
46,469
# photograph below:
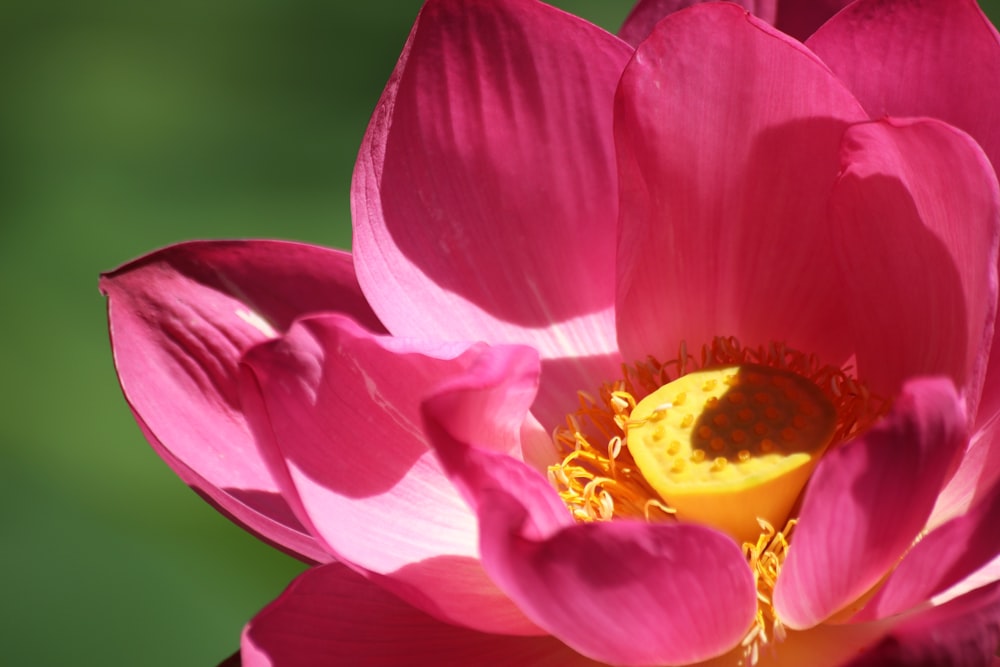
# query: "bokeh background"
125,126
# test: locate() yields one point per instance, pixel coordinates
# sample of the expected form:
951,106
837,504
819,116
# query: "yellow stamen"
597,478
765,556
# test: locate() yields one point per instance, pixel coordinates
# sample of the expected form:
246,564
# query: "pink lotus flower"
609,305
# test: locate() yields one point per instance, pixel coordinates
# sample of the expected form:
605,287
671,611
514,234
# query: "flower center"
727,440
727,446
738,424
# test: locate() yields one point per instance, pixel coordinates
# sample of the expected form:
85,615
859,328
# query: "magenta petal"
935,58
798,18
647,13
940,560
465,410
331,616
484,194
728,135
978,472
867,502
962,633
627,593
341,407
928,310
179,320
801,18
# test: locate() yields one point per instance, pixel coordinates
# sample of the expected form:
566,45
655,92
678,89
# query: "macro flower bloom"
665,349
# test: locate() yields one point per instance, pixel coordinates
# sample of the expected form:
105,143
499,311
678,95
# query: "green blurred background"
124,127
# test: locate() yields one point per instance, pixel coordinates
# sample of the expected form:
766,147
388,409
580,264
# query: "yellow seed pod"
738,446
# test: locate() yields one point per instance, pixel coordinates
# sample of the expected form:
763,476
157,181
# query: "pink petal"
179,320
484,195
935,58
976,474
627,593
728,135
942,559
340,408
801,18
984,576
962,633
867,502
647,13
989,409
926,188
331,616
798,18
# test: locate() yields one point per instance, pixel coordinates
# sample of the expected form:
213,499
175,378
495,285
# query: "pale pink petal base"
976,474
332,616
868,501
986,575
825,645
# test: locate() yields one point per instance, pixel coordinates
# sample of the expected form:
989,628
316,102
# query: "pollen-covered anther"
740,475
597,478
765,556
